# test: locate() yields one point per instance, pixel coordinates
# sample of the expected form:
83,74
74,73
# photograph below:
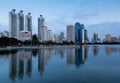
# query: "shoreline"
36,47
8,48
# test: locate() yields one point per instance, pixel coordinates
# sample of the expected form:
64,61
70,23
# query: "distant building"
41,23
114,39
61,37
44,34
49,35
86,36
95,37
29,23
4,34
56,38
108,38
25,35
20,22
13,24
83,33
71,33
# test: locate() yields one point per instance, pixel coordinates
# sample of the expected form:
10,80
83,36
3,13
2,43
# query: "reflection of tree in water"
35,52
5,53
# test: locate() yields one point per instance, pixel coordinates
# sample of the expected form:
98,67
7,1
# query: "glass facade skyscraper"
86,36
78,32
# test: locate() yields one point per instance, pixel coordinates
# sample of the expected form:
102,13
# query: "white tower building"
20,22
71,33
83,33
13,24
28,22
41,23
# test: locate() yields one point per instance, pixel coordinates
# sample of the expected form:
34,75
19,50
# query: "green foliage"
6,41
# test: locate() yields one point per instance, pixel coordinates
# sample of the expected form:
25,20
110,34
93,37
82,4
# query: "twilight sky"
60,13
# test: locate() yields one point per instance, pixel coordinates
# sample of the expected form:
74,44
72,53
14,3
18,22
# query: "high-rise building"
20,22
29,23
71,33
44,34
78,32
95,37
41,23
56,38
86,36
49,35
61,36
13,24
83,33
108,38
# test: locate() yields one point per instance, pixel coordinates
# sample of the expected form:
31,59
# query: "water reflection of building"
61,52
80,55
71,56
77,56
108,50
19,62
44,55
28,63
111,49
12,66
41,61
95,50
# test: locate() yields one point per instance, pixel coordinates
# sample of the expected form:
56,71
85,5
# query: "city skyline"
60,13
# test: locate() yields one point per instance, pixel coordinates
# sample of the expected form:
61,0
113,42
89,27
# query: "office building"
29,23
71,33
78,32
13,24
61,37
95,37
20,22
41,23
86,36
108,38
25,35
83,33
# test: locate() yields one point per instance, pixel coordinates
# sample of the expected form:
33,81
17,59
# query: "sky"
60,13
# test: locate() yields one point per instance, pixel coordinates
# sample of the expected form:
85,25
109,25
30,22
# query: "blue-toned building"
86,36
78,32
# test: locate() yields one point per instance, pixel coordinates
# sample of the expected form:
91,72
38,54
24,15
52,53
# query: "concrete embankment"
35,47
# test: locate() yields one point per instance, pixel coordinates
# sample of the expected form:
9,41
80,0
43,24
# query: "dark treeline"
6,41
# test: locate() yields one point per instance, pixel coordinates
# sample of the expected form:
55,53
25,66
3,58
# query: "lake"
87,64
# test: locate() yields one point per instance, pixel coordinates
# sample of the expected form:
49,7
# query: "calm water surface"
87,64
